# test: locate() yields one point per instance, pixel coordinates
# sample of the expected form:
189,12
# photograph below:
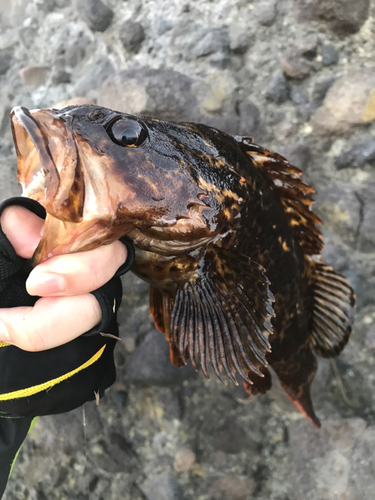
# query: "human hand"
66,309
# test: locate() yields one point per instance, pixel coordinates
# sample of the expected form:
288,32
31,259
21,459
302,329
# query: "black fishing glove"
59,379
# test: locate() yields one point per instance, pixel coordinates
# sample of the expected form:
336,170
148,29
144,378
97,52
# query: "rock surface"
95,13
349,102
160,433
340,15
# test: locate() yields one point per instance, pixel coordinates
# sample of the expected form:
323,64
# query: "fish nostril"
96,115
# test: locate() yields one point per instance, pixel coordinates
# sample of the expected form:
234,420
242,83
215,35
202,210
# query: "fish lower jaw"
63,238
166,247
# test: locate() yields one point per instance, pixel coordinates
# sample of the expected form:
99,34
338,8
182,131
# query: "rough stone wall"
298,76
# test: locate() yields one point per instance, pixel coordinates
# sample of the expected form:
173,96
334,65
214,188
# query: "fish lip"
25,126
40,162
33,130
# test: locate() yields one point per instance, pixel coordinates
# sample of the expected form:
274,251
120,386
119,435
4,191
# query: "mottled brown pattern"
223,231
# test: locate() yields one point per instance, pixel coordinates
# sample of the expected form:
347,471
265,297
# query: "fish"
223,231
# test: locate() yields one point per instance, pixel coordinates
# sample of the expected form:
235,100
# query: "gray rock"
132,35
207,42
370,338
13,13
226,123
298,97
114,455
250,116
241,37
331,454
295,66
341,15
330,55
231,438
265,12
358,155
307,45
120,398
250,121
171,402
340,210
61,76
184,460
278,89
305,109
76,49
366,231
349,102
5,59
164,93
124,93
97,71
297,154
161,487
48,5
27,35
232,487
165,25
150,363
33,76
95,13
333,254
321,88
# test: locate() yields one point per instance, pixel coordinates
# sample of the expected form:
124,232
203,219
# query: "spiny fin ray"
293,193
333,312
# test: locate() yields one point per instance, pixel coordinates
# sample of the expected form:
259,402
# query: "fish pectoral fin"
333,312
156,308
161,304
260,385
221,316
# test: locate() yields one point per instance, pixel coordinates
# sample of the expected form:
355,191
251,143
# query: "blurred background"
299,77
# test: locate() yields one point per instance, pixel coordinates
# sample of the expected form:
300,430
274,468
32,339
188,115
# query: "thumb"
23,229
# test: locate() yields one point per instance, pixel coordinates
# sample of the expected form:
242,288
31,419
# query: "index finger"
77,273
23,229
73,274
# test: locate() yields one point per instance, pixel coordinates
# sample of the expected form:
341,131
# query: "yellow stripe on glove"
30,391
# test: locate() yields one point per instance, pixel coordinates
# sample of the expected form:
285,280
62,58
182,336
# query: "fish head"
101,174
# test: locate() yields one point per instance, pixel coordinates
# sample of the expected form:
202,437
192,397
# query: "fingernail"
4,335
45,284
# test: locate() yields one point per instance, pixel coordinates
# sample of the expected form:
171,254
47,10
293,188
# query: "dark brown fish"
223,232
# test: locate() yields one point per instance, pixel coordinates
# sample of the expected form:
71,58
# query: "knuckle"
91,310
120,253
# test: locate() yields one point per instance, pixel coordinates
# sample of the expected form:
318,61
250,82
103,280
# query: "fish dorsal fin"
221,316
333,311
294,194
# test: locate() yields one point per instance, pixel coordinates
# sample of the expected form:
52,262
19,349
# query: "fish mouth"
34,159
59,169
49,172
47,161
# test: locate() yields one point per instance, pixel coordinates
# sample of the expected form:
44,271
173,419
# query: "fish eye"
126,133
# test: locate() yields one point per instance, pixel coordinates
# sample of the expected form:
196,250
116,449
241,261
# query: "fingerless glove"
59,379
